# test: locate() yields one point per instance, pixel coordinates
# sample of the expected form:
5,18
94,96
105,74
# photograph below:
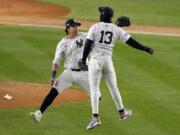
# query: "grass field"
154,12
28,53
149,86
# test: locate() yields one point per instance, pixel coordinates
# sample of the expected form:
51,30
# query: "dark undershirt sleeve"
133,43
87,48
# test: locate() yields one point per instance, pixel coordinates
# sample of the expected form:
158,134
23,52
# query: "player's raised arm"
135,44
125,37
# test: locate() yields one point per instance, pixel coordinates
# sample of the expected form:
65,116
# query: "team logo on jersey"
79,43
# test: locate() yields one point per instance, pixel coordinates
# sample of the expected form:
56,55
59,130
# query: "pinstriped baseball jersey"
104,35
71,50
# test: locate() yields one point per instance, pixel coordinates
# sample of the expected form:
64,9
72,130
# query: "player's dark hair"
66,31
106,14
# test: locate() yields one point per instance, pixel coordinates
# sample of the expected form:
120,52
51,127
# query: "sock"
121,111
49,99
96,115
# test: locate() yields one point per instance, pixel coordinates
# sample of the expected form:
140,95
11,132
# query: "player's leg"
62,82
110,79
48,99
94,80
83,80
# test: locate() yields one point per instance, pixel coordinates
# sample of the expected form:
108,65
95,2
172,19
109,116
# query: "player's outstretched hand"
151,51
82,65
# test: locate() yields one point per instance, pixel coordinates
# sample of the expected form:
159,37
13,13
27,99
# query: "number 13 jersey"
104,35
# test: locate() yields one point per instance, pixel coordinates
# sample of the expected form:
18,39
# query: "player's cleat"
125,114
37,115
93,123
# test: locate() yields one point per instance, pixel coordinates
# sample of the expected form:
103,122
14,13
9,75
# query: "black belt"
77,70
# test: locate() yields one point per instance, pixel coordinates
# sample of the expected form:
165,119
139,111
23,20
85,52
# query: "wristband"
53,74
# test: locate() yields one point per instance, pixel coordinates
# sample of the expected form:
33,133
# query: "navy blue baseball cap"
72,22
106,11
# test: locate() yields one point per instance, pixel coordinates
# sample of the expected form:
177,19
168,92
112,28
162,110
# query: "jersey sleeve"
90,34
122,34
59,54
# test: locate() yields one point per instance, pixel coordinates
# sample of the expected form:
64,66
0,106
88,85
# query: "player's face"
73,30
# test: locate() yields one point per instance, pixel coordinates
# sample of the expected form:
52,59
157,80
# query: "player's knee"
95,93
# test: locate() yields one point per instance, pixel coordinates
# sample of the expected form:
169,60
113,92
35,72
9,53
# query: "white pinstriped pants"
68,77
101,64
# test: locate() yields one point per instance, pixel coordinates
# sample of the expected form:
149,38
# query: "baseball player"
70,48
100,41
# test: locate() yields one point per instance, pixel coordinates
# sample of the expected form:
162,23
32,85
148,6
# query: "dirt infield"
30,11
30,8
31,94
40,13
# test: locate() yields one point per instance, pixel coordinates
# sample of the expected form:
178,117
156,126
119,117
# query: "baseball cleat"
93,123
37,115
125,114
